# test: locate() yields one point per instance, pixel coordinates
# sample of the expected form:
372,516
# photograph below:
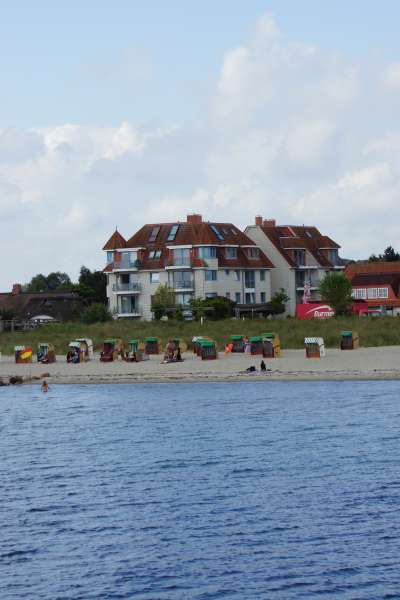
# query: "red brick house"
376,287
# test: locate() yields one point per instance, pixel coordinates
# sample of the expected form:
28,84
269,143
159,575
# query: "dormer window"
154,233
231,253
299,257
110,257
332,256
253,253
154,254
207,252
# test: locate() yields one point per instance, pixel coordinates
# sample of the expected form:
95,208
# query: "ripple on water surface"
246,490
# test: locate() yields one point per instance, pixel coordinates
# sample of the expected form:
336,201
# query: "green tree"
214,308
92,285
52,282
96,313
163,299
278,302
389,255
335,289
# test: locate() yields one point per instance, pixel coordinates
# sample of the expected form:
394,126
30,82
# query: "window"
210,275
182,279
183,299
127,304
262,275
225,231
250,298
211,295
299,257
249,279
110,257
207,252
154,254
181,257
128,259
154,233
234,231
172,233
262,297
227,272
228,295
333,257
308,233
125,278
237,275
253,253
359,294
374,293
217,233
237,297
230,252
154,277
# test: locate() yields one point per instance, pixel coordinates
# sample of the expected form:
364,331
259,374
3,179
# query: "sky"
116,114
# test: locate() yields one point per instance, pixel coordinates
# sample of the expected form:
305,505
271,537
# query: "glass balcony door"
127,304
181,257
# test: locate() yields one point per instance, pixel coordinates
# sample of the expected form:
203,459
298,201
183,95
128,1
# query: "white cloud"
290,131
392,75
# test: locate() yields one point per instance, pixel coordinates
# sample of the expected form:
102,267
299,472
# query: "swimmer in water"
45,386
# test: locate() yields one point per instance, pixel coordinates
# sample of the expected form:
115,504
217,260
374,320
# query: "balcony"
183,284
135,313
133,287
125,265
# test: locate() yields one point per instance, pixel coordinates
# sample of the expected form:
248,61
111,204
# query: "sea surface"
254,490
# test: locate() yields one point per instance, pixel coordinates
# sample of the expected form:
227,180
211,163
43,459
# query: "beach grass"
379,331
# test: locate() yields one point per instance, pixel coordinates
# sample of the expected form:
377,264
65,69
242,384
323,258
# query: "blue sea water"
258,490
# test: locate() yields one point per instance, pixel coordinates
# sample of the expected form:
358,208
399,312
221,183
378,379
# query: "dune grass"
380,331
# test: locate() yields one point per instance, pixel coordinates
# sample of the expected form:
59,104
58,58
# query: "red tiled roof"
115,241
375,268
191,234
286,237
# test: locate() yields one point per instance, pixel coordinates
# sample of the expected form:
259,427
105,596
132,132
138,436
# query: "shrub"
96,313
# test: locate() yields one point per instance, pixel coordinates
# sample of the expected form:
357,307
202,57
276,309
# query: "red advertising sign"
313,310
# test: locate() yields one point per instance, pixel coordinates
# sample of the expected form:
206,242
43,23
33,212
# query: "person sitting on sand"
228,348
45,386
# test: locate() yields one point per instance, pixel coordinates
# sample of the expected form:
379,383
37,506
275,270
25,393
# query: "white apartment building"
301,256
196,259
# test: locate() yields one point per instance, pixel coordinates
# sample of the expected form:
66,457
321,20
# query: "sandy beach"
365,363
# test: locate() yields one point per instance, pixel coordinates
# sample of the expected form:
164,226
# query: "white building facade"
301,255
195,259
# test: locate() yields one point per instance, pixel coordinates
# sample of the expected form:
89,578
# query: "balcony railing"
126,287
183,284
125,264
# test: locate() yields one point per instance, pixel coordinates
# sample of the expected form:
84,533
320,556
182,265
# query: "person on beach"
45,386
263,366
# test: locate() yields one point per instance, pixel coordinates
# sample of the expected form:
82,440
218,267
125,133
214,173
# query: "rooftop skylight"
172,233
217,233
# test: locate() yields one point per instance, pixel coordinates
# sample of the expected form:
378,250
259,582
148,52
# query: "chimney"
269,223
194,219
16,289
258,220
